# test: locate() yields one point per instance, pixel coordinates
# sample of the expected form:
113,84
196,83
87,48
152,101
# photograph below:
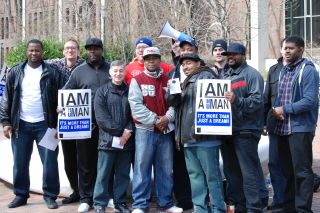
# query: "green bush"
53,49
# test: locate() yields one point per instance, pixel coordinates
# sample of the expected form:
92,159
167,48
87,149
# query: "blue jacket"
303,109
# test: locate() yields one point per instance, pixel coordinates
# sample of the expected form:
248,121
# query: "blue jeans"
277,178
152,149
244,162
121,160
205,178
22,147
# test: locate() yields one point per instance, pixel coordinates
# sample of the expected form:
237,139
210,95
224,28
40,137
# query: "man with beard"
246,98
90,75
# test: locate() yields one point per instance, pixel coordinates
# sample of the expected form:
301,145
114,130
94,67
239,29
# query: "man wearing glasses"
65,66
137,65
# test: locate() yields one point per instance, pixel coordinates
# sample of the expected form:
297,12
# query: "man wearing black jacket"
27,110
90,75
270,93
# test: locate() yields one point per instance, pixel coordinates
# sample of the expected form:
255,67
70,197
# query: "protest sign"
213,111
3,77
74,122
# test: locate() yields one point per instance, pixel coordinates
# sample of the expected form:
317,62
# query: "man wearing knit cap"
219,46
152,117
246,98
137,66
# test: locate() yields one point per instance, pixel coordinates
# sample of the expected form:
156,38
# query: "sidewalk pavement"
37,204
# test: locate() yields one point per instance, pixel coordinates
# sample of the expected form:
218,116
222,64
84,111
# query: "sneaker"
264,202
72,199
17,202
110,203
99,210
84,207
138,211
173,209
121,207
185,206
52,204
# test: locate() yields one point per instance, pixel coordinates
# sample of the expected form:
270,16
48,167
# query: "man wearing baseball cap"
201,151
182,189
246,98
137,66
152,115
90,75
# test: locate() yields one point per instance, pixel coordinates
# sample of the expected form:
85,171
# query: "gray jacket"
185,105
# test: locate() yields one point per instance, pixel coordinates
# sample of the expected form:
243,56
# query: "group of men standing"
133,107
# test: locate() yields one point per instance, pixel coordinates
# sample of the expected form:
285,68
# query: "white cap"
151,51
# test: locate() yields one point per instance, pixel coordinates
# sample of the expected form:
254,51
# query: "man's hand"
162,124
230,96
278,113
7,131
125,137
168,86
264,131
176,48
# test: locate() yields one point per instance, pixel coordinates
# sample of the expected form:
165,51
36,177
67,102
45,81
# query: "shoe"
72,199
17,202
185,206
264,202
138,211
84,207
173,209
100,209
275,206
121,207
52,204
110,203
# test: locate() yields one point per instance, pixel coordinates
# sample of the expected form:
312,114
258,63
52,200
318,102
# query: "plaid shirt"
285,96
61,65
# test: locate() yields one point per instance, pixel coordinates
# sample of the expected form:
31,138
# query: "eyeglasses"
141,47
71,48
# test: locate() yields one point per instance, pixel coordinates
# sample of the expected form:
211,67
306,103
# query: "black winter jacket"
271,94
185,105
86,76
50,82
113,115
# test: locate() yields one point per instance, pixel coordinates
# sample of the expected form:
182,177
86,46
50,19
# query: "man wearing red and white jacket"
152,115
137,66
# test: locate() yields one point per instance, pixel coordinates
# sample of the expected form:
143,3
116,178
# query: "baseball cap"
144,41
189,41
151,51
191,56
94,42
235,48
219,43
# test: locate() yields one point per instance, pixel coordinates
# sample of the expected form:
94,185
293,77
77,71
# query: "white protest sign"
213,111
75,120
3,77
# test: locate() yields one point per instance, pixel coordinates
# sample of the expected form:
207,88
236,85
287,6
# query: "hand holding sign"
230,96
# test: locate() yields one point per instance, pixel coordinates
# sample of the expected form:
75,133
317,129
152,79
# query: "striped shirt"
285,96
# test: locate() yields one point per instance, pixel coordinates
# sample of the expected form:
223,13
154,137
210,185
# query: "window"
35,19
2,28
67,16
306,20
7,27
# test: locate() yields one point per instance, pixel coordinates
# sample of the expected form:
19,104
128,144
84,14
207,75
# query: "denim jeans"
205,178
22,147
153,149
244,162
121,160
277,178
